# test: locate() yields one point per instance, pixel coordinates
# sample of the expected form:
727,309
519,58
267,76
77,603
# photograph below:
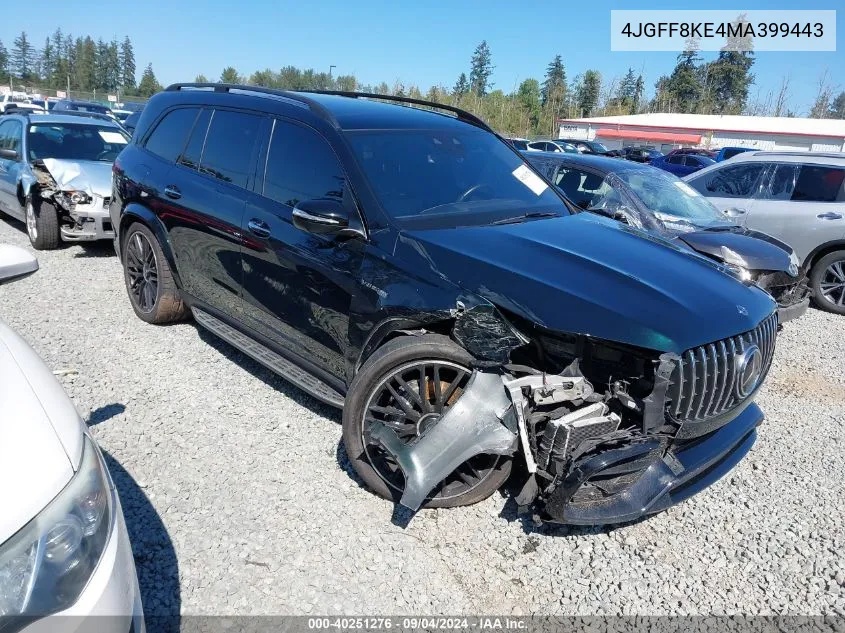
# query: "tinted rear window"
229,146
169,136
819,184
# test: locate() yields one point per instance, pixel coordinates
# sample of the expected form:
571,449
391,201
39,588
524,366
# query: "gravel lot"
239,500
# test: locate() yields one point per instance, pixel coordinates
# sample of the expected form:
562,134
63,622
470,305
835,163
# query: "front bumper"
653,479
111,602
91,222
788,313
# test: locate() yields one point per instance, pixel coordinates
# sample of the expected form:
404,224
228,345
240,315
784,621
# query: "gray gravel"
239,502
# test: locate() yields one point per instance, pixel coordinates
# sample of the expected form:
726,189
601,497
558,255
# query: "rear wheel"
828,282
408,385
149,280
42,224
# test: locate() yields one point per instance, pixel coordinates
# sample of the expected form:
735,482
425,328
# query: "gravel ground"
240,501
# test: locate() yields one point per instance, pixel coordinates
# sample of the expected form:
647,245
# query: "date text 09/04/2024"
723,29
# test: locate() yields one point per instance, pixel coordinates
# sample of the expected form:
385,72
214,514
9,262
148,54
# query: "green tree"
529,96
639,91
58,76
729,77
461,86
4,63
837,107
230,76
554,86
684,85
201,79
588,92
85,69
48,61
347,82
126,61
481,68
149,84
22,58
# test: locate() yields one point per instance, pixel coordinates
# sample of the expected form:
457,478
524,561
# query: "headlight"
79,197
794,264
47,564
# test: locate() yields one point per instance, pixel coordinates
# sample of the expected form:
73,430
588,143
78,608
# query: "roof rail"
462,115
802,154
296,99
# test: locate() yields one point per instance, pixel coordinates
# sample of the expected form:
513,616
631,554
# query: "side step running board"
270,359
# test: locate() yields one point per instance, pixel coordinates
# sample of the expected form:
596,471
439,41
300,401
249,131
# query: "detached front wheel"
408,385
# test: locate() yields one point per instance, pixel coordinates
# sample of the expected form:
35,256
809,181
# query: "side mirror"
15,263
320,216
9,154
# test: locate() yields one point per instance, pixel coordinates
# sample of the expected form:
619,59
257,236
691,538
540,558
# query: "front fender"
139,213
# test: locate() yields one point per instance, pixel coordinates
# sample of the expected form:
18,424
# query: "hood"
758,250
40,434
586,274
91,176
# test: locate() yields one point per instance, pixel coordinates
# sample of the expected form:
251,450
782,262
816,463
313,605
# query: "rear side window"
301,166
229,146
169,136
819,184
736,181
193,152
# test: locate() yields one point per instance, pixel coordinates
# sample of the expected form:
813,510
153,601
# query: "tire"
828,276
42,224
149,281
368,461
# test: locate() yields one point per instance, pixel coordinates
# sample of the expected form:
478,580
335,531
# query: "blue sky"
423,43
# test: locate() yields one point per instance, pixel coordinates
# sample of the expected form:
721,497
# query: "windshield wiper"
527,216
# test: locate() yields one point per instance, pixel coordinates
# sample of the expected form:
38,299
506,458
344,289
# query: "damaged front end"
80,192
609,432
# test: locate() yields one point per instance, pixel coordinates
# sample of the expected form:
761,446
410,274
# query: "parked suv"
797,197
408,266
55,175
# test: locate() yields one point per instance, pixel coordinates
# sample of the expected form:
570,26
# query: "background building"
667,131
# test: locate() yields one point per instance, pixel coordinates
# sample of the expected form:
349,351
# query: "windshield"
670,198
597,147
464,176
71,141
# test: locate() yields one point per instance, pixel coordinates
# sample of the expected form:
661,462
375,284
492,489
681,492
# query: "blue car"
729,152
682,164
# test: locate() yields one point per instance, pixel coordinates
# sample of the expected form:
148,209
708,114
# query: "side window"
817,183
229,146
301,166
10,135
736,181
782,183
193,152
169,136
676,159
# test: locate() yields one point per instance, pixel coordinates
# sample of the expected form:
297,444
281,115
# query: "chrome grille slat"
704,384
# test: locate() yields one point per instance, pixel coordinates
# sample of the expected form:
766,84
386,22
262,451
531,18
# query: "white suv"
797,197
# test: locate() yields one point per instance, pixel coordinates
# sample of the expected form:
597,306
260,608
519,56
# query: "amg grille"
704,382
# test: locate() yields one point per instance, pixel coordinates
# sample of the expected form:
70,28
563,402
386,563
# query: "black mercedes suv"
398,259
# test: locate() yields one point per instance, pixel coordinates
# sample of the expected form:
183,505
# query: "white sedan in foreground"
64,549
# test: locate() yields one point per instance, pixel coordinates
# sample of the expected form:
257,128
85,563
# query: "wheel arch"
821,251
143,215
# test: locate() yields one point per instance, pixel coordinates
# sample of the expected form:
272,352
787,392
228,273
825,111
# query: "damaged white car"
55,175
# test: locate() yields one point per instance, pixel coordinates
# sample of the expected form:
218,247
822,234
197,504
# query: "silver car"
55,175
797,197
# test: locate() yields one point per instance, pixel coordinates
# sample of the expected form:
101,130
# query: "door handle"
830,215
732,213
172,192
258,227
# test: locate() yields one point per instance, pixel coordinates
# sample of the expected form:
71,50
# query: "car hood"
590,275
41,434
91,176
758,250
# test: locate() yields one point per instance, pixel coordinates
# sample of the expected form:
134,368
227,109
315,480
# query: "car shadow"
155,557
105,413
267,376
100,248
